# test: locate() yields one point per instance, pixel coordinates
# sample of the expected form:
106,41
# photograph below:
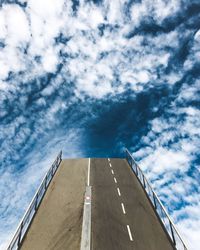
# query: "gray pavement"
122,217
58,221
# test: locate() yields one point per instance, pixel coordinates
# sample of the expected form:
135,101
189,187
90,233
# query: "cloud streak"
91,77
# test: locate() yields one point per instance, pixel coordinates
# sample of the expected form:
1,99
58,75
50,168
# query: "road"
57,224
122,217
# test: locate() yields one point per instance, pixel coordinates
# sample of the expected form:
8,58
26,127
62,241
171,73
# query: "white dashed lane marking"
129,233
118,190
123,208
122,204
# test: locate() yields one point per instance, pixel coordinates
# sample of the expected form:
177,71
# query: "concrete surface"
122,217
86,226
57,224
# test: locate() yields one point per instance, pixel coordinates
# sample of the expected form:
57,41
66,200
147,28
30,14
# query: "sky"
91,78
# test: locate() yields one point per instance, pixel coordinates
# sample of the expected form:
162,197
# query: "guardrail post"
45,183
154,200
144,181
59,161
19,236
36,199
136,169
52,170
172,233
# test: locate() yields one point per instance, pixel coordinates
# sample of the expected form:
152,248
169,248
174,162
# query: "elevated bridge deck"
122,217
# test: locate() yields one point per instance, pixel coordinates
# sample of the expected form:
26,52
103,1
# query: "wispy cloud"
92,77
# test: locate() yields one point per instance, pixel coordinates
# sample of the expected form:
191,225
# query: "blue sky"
93,77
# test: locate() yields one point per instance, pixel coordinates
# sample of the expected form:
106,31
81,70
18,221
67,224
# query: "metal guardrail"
32,209
158,206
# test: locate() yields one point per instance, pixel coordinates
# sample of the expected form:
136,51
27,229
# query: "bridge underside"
122,216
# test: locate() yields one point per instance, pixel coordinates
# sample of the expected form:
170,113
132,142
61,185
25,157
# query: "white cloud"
4,70
16,34
138,11
16,23
47,9
143,76
97,66
194,52
158,8
17,188
164,9
171,146
163,160
3,31
114,11
90,15
189,93
49,60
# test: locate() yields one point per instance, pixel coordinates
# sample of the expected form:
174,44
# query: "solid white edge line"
129,232
123,209
118,190
112,171
88,177
115,180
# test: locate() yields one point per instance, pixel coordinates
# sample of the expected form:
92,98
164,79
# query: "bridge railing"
157,204
32,209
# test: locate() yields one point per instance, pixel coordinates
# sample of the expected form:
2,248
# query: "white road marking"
86,224
115,180
110,165
129,232
88,177
108,159
118,190
123,209
112,171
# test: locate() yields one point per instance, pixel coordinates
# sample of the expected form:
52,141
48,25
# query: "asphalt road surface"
58,221
122,217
